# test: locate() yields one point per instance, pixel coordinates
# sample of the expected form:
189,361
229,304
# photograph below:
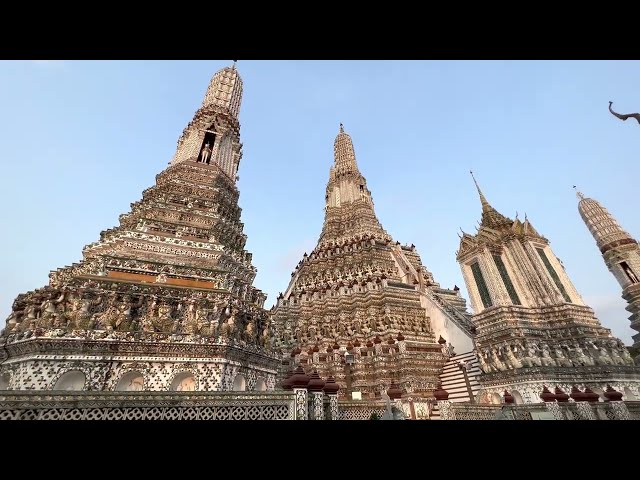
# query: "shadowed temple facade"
165,302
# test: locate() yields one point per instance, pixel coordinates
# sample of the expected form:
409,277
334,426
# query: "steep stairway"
453,380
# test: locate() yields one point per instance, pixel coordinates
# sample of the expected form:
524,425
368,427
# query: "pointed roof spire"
234,64
483,200
341,128
578,193
490,216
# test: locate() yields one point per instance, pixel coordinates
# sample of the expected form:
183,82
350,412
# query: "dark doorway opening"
207,147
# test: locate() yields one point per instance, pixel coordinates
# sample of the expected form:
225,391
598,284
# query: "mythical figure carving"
495,360
164,322
80,316
547,360
250,331
560,357
50,317
615,356
123,321
511,358
29,319
15,317
579,356
601,356
531,358
228,328
190,319
485,365
265,338
624,353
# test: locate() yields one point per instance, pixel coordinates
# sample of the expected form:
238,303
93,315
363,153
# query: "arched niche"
239,383
73,380
517,398
261,385
5,381
206,147
496,399
131,382
183,382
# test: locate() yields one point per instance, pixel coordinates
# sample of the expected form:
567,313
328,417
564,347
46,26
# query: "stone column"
395,394
299,382
402,347
315,386
620,411
617,406
331,390
550,402
582,404
585,411
444,405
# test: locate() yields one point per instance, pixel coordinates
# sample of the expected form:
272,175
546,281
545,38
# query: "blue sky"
81,140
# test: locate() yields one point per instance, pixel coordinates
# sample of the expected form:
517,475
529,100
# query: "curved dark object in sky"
624,117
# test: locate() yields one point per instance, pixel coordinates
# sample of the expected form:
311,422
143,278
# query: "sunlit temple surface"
160,319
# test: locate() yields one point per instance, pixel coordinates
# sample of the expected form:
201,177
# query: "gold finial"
578,193
341,128
483,200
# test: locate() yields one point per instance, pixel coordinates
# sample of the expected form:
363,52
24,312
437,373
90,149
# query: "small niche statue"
206,153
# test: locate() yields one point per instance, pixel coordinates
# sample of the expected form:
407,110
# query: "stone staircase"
453,380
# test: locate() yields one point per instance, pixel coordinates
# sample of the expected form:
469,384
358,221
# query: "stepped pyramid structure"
164,301
363,308
621,255
532,327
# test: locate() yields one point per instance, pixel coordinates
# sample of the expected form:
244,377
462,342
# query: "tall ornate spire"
490,216
344,154
213,136
348,204
174,268
621,254
358,286
603,226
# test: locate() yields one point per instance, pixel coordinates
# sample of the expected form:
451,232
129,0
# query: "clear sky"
81,140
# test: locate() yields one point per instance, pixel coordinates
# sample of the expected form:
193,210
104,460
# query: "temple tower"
621,254
533,328
163,301
362,307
